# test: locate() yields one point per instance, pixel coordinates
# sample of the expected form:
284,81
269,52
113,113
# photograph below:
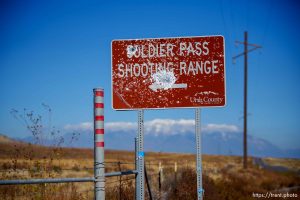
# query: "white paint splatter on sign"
164,79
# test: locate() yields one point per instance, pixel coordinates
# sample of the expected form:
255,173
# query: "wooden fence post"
120,182
175,171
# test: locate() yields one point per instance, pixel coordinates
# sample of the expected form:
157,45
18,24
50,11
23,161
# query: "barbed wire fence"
160,175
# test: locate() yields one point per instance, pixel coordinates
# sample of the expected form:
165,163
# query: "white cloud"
220,128
157,127
120,126
84,126
169,126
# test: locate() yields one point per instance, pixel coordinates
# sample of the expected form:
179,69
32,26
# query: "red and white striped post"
99,167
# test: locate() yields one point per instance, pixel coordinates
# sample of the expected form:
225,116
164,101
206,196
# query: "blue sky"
56,52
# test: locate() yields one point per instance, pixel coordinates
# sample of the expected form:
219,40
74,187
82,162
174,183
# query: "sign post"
200,190
164,73
140,195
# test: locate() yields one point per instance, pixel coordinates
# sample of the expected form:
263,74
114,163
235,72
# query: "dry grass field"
292,164
223,177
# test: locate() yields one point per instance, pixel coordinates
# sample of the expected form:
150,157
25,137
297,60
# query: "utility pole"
245,54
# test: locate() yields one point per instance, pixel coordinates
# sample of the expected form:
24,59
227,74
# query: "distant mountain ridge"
220,143
4,139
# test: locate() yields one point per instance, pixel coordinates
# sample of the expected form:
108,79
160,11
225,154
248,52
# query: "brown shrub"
186,187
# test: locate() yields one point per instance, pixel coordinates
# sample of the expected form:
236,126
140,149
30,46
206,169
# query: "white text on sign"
167,50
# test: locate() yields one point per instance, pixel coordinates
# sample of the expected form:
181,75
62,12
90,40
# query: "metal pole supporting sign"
140,159
99,168
200,191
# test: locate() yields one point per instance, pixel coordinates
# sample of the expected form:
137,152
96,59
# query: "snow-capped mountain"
173,136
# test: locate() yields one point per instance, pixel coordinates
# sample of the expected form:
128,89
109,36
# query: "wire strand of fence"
123,180
75,168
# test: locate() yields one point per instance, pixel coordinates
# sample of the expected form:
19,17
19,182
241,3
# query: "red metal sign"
168,73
